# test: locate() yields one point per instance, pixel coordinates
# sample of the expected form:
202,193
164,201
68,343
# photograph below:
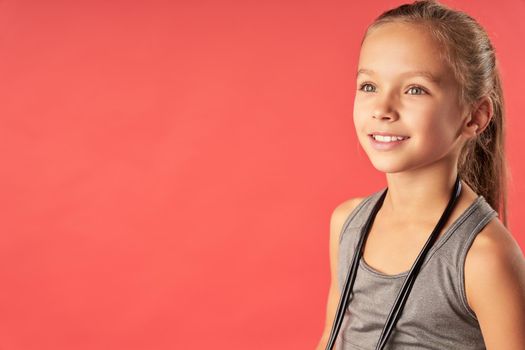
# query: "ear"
479,117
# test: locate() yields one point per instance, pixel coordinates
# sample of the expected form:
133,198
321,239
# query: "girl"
429,113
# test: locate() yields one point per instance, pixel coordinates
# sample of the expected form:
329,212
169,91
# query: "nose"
390,115
384,108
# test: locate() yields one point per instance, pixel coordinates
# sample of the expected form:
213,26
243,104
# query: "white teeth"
388,138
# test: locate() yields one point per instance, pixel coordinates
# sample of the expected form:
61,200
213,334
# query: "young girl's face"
405,89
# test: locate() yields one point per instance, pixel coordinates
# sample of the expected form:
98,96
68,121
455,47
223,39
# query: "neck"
419,195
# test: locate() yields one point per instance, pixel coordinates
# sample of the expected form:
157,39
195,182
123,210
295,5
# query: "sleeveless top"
436,314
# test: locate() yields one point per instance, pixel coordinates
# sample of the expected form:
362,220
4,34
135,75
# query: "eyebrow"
420,73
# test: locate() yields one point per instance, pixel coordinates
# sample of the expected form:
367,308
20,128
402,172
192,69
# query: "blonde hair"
469,53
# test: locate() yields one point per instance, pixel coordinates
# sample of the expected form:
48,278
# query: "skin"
389,99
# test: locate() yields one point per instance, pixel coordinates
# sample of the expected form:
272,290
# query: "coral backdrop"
169,167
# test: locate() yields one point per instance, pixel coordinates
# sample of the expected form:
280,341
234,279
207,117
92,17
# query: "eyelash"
410,87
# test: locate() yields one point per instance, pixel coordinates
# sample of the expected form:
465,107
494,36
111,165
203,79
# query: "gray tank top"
436,314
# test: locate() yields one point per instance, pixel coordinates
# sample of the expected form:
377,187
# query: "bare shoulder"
337,220
494,249
341,213
495,286
348,205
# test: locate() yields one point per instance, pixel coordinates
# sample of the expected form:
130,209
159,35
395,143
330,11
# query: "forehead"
393,49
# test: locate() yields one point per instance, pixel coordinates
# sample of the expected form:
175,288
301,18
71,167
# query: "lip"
384,134
385,146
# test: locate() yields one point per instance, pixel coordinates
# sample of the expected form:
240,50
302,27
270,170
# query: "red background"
169,168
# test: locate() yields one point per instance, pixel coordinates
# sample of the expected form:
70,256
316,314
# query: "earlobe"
482,115
476,127
472,128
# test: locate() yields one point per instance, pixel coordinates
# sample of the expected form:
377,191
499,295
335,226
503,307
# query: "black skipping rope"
402,296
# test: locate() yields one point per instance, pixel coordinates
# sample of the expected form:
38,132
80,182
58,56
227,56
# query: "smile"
389,138
382,143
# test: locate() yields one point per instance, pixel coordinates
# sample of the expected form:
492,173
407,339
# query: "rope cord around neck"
402,296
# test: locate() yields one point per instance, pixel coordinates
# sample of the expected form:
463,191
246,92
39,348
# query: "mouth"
385,138
385,143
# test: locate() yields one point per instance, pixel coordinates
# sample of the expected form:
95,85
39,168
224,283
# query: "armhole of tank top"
463,256
352,214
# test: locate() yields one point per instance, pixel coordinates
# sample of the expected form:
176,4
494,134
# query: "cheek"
433,131
359,116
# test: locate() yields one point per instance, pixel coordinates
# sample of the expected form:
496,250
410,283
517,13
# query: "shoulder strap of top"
359,215
457,256
467,226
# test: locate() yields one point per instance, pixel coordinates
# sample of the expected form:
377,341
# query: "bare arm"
339,215
495,287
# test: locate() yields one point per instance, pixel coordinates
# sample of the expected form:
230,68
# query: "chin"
388,166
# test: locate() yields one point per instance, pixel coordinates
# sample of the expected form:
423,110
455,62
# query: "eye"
364,86
417,88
